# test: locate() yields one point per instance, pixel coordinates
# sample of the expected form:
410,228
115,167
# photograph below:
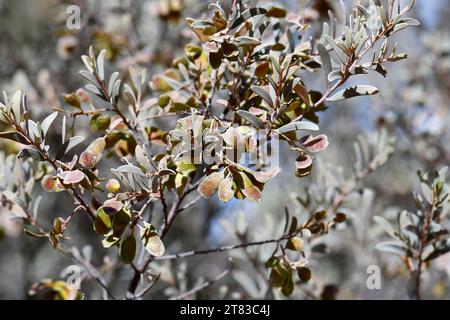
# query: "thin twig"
226,248
145,290
94,274
422,245
202,286
190,204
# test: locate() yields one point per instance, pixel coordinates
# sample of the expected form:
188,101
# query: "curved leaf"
299,125
209,186
47,122
250,117
356,91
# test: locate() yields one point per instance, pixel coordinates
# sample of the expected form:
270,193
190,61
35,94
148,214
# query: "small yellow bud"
113,185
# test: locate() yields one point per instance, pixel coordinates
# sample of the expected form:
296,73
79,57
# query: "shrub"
245,84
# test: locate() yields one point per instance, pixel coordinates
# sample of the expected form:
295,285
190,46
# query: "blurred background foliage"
40,56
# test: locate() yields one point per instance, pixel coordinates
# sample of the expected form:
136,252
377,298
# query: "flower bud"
48,183
88,159
113,185
163,100
72,99
83,95
103,122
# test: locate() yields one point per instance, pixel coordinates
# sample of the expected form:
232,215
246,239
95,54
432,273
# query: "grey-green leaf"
73,142
356,91
101,64
263,94
68,145
250,117
16,104
383,223
47,122
14,136
30,152
326,60
245,41
142,159
394,247
299,125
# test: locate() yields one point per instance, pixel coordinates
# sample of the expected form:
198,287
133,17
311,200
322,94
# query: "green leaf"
127,250
120,221
288,285
110,241
180,182
102,222
185,167
294,224
278,274
58,225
